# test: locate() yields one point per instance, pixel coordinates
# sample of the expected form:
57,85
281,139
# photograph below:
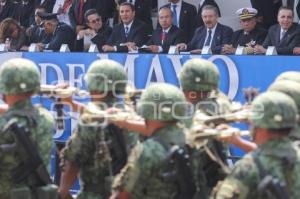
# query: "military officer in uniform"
249,35
59,32
96,151
161,105
272,170
19,179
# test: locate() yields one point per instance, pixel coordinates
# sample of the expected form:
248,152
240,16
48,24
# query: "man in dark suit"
183,17
47,4
36,32
212,34
267,11
249,35
285,36
165,35
142,11
7,9
60,33
97,32
106,9
127,35
202,3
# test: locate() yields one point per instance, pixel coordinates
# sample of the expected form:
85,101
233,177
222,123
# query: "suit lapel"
287,34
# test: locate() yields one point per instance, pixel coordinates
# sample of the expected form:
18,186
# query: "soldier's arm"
68,178
135,126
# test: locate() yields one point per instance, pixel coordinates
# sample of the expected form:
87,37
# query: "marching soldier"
199,79
25,135
147,173
96,151
272,170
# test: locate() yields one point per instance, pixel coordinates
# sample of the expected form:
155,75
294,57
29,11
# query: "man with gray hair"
212,34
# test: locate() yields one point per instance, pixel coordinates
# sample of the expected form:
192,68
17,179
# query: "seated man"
165,35
96,33
249,35
212,34
36,32
60,33
127,35
285,35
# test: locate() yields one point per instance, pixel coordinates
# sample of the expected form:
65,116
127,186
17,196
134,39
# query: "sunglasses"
95,20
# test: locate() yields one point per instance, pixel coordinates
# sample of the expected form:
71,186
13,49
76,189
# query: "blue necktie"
207,43
126,31
174,15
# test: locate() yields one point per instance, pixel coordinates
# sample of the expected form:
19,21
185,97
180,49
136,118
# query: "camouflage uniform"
84,148
203,76
291,88
142,175
278,157
18,76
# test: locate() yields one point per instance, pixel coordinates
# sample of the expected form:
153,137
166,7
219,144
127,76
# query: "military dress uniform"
14,81
241,38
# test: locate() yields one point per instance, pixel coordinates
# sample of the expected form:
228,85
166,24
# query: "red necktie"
163,36
80,15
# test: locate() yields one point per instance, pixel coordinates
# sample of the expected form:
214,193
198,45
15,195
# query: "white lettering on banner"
156,68
175,59
233,74
129,66
72,79
45,67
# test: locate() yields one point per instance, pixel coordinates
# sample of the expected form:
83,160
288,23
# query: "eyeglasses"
95,20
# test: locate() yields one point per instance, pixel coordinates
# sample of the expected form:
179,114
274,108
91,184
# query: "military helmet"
106,75
289,75
163,102
199,75
274,110
291,88
18,76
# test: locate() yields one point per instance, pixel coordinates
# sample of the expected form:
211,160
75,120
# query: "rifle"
238,116
52,90
198,135
35,163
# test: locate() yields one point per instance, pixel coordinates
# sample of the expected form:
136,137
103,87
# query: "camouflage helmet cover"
18,76
274,110
291,88
289,75
163,102
106,75
199,75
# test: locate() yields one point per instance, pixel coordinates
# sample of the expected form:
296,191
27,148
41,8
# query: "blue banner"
237,72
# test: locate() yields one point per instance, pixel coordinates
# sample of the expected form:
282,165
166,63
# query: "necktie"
126,31
282,35
207,43
174,15
163,37
80,12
